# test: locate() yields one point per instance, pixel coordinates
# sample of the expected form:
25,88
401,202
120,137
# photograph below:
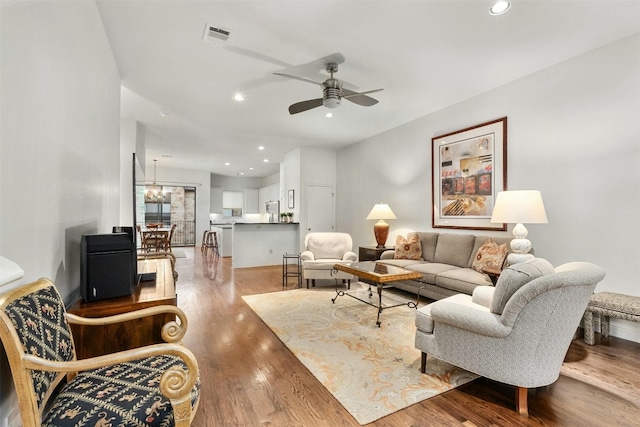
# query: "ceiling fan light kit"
332,93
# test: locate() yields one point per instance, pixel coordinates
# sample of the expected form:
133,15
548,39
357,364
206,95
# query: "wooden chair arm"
175,383
172,332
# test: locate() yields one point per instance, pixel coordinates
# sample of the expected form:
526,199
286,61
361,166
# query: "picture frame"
469,168
291,200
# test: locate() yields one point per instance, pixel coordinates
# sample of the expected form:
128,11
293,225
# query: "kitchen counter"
224,234
257,244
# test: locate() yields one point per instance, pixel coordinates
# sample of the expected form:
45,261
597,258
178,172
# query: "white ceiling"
426,55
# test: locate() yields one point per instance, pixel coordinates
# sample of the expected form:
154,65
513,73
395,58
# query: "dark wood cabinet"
98,340
372,253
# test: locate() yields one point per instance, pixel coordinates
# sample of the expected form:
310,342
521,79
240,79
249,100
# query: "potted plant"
283,217
289,216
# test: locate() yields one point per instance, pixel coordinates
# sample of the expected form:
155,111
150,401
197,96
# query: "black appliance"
108,266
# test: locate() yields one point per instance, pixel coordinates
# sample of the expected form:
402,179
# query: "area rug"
371,371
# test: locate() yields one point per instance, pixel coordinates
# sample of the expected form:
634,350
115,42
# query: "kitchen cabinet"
232,199
215,202
251,198
270,193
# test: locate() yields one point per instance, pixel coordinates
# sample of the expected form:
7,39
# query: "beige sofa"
446,265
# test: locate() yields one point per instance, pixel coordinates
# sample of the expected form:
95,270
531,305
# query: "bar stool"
211,242
204,240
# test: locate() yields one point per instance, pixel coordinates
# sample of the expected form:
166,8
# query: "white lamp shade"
518,207
381,211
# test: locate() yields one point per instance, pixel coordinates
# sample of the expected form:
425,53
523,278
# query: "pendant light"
155,191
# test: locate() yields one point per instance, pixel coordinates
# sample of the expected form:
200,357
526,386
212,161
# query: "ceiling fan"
332,93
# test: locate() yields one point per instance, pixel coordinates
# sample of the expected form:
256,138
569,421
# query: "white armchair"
517,333
322,252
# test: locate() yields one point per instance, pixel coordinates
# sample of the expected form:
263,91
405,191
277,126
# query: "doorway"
320,208
172,205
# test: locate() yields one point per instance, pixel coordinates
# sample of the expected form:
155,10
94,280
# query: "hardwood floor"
249,378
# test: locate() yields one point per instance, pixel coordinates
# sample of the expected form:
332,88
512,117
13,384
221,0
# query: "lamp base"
381,231
514,258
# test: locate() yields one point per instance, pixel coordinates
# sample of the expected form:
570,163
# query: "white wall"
59,144
60,136
573,134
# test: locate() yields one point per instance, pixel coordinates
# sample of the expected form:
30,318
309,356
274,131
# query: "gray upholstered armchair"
517,333
322,252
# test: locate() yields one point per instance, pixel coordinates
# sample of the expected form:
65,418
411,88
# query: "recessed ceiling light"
227,163
163,114
329,115
266,160
241,173
250,169
261,148
500,7
238,97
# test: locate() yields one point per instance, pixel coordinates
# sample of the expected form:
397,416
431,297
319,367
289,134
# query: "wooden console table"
98,340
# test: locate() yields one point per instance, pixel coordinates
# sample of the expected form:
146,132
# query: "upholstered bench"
607,305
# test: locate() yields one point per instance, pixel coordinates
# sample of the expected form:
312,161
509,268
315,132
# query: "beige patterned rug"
371,371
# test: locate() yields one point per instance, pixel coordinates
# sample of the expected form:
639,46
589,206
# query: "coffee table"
380,275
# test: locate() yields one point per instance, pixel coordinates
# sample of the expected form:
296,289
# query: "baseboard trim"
620,328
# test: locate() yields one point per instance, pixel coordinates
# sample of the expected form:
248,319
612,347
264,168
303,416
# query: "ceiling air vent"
215,34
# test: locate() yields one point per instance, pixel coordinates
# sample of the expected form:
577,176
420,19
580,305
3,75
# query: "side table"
493,273
291,267
99,340
372,253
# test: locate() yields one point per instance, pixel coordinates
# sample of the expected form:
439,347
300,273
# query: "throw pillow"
490,254
516,276
408,248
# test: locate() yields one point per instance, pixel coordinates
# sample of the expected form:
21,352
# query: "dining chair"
168,246
143,241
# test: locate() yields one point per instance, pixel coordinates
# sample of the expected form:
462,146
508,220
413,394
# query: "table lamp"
381,211
518,207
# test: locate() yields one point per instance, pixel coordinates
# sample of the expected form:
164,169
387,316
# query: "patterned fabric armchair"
517,333
156,385
322,252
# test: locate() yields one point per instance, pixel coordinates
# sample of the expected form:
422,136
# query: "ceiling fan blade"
360,98
299,107
298,78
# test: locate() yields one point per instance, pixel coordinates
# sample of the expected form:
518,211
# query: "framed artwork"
469,169
291,200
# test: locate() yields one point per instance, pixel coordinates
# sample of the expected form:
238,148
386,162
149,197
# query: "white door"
320,208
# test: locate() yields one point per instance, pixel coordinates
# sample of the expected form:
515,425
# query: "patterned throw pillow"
490,254
408,249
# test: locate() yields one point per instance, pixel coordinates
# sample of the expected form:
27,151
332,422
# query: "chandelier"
154,192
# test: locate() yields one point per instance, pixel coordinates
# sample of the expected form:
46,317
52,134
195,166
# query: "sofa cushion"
409,248
428,241
454,249
463,280
514,277
490,254
430,270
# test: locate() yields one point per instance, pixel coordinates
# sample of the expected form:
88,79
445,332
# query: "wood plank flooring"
249,378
